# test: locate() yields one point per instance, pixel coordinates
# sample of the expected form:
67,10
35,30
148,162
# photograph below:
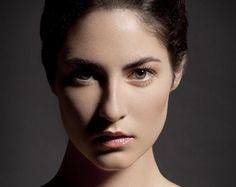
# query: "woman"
112,65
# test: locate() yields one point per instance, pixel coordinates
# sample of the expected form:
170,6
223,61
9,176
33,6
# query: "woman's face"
113,83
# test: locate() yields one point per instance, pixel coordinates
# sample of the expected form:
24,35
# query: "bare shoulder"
166,183
170,184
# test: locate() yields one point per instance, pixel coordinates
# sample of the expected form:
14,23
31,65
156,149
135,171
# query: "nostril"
111,115
122,117
111,118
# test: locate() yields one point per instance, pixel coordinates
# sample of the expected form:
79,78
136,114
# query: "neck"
76,170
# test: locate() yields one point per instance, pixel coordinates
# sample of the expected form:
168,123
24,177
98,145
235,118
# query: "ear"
178,73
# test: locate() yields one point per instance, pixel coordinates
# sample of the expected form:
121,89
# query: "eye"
84,76
142,76
80,77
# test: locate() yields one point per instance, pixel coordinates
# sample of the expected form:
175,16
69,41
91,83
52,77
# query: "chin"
113,161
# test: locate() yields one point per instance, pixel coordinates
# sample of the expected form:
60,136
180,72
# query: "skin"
115,94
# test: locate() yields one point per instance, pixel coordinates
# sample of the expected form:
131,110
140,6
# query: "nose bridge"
112,107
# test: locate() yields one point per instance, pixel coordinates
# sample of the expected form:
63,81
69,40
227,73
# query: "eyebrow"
86,63
140,62
97,66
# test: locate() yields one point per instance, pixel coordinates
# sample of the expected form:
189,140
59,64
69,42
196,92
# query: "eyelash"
75,79
145,81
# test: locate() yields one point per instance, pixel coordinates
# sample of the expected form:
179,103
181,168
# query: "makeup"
116,97
112,140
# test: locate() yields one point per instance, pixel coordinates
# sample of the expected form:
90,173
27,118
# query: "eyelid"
73,78
82,82
146,81
147,65
83,69
142,62
148,69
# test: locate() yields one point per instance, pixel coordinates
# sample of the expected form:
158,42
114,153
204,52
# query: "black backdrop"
197,146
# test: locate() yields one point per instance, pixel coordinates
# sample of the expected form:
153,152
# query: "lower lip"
116,142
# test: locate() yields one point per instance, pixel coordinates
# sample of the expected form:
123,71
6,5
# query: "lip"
112,140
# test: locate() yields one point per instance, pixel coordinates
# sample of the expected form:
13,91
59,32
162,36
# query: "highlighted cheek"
79,106
151,109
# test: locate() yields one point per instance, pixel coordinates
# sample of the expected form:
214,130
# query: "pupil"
141,74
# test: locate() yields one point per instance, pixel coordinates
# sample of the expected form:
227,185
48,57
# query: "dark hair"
167,19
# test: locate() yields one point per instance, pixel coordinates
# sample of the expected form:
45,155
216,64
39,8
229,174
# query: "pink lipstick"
112,140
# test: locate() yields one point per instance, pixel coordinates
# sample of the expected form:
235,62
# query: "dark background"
197,146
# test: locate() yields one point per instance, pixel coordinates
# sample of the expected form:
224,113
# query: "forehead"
107,35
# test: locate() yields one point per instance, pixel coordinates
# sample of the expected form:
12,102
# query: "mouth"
112,139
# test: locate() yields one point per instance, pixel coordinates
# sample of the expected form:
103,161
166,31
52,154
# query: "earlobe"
177,79
178,73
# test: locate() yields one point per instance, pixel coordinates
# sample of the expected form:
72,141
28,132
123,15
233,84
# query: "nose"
112,106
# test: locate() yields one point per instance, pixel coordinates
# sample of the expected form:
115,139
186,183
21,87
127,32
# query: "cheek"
78,105
149,110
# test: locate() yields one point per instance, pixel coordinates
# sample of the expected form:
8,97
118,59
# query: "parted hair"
166,18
